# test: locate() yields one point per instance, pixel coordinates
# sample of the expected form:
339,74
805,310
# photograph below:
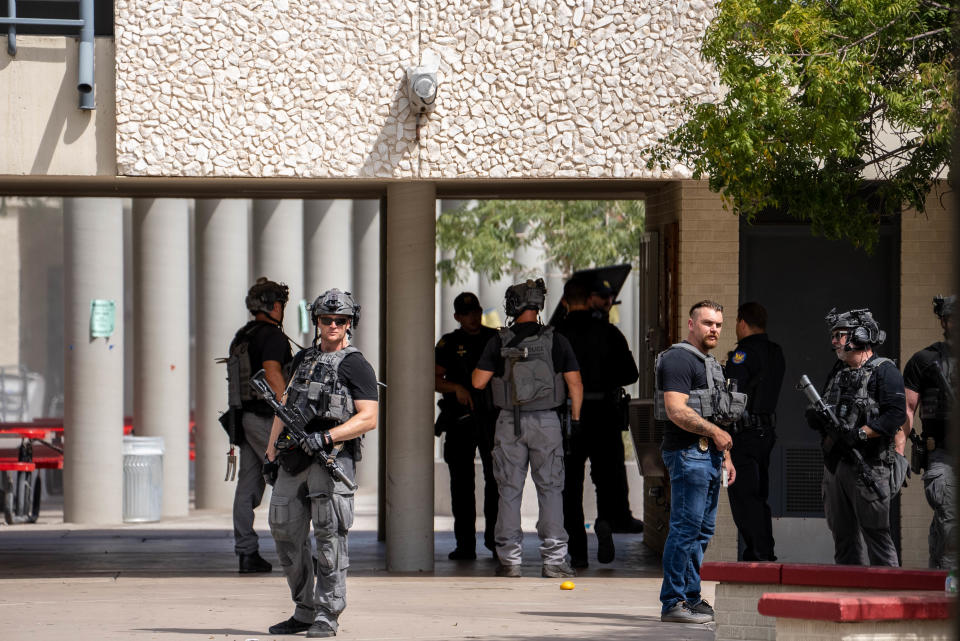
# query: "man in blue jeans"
689,390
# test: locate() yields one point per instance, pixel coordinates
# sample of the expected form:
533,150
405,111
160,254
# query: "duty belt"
599,396
757,422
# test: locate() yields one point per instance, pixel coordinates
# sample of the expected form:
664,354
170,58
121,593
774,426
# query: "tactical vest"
239,367
847,393
937,402
716,402
316,389
529,380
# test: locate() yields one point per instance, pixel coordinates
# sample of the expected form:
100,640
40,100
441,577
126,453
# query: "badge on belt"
703,444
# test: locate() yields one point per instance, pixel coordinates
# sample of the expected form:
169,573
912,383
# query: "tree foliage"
837,111
483,236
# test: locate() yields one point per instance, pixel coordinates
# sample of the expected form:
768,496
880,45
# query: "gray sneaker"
560,571
703,608
512,571
681,614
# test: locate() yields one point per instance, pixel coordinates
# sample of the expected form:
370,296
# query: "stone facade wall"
806,630
528,88
926,259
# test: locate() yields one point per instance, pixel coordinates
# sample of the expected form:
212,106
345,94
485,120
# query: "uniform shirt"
457,353
886,387
564,360
606,363
923,373
267,343
680,371
757,365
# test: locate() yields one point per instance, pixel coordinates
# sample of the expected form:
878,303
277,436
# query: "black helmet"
522,296
264,293
864,330
943,305
334,301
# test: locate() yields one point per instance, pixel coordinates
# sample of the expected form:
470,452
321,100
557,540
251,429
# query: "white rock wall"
528,88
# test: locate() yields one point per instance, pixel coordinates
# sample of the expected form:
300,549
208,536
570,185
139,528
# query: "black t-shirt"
680,371
355,373
564,360
757,365
457,353
606,363
921,373
267,342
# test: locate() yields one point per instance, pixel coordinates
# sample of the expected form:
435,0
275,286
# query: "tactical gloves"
815,420
317,441
575,427
270,470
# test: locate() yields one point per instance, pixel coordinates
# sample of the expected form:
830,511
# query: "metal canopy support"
85,54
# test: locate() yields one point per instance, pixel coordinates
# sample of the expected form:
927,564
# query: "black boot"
253,563
320,630
290,626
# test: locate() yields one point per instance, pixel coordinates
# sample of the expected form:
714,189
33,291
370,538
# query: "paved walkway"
177,579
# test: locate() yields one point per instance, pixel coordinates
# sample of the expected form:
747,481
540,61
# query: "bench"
801,616
741,586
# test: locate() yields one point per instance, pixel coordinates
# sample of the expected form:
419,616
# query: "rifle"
295,423
833,433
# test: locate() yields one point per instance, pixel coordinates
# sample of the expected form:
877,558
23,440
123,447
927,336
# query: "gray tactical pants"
540,445
859,519
939,485
250,483
297,499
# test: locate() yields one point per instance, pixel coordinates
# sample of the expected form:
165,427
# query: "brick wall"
926,259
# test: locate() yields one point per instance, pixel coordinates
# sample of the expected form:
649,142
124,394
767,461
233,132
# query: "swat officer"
606,365
467,416
260,344
335,388
532,370
691,396
866,393
757,365
930,378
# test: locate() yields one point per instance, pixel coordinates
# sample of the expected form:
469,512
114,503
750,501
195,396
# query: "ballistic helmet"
943,306
334,301
864,330
264,293
522,296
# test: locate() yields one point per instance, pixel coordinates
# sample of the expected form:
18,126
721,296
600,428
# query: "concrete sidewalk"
177,579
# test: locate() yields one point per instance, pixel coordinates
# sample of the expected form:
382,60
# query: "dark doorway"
798,278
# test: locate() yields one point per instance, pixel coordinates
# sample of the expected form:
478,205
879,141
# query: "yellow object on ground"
567,585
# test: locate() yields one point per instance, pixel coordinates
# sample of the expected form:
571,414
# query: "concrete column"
93,367
366,288
222,241
328,249
411,227
491,297
278,253
161,319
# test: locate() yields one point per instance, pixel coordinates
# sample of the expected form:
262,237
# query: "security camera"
422,83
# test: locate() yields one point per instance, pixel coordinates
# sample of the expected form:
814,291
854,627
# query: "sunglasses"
334,320
838,335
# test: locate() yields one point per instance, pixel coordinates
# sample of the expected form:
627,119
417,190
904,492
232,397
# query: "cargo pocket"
343,508
873,511
934,487
279,516
324,528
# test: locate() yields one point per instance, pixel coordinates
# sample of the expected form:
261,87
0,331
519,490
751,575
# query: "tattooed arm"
685,418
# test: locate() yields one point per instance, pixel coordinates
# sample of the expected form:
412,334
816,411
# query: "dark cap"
602,287
466,303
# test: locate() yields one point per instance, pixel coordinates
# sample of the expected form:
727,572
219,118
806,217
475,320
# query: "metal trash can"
142,478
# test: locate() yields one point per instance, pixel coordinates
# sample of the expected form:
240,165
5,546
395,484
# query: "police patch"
739,356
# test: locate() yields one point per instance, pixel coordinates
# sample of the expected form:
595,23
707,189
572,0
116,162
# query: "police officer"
866,393
335,388
532,370
260,344
693,400
930,378
606,365
467,416
757,365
